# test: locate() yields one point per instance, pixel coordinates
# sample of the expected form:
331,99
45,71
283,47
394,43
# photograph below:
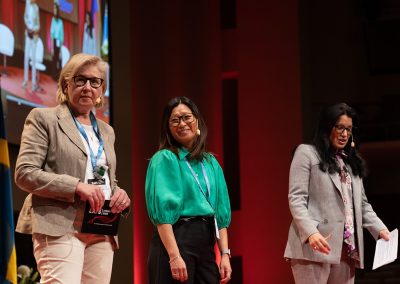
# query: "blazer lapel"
67,124
356,186
107,145
336,181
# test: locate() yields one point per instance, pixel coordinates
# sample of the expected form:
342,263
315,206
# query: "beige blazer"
51,161
316,205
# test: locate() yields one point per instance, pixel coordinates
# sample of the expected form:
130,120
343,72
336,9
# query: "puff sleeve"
163,189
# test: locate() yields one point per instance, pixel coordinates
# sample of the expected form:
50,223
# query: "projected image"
37,37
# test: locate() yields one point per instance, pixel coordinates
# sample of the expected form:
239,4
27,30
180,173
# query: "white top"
94,144
31,16
89,43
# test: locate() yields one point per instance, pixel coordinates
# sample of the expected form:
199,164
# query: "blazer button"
325,221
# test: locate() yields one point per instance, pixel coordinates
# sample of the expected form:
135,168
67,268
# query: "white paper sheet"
386,251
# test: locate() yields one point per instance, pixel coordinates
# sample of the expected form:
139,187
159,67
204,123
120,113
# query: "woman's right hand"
92,193
319,243
178,268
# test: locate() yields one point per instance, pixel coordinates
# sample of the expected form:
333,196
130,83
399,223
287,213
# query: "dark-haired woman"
57,39
187,200
328,203
89,39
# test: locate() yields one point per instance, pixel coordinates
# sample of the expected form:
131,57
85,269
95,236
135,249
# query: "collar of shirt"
183,153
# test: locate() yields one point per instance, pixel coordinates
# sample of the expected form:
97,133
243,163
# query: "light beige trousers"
309,272
74,258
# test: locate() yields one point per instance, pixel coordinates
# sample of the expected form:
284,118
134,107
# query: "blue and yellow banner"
8,259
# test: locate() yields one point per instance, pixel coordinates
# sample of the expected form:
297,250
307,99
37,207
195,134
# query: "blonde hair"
75,65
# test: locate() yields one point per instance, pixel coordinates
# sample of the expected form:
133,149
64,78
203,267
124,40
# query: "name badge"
97,181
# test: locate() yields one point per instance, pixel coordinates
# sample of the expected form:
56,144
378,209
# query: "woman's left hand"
384,234
225,269
119,201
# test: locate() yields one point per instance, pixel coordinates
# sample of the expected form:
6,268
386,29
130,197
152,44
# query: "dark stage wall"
269,126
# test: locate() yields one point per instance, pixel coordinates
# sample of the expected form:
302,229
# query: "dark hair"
89,27
327,120
167,141
57,15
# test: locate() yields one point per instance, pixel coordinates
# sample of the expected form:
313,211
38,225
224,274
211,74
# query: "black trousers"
56,61
196,239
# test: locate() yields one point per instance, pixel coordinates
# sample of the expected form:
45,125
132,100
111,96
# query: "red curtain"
7,18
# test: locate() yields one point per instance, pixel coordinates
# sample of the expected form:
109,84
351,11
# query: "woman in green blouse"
187,200
57,39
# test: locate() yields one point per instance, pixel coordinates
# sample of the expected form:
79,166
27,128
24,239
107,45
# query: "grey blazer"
51,161
316,205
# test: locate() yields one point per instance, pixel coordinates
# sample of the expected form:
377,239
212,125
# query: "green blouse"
172,191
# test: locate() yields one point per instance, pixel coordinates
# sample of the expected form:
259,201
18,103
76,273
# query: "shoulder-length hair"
89,27
57,6
75,65
327,120
167,141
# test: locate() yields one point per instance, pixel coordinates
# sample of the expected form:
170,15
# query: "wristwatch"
226,251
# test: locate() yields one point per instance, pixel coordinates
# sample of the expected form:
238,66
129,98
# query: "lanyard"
202,190
93,159
206,194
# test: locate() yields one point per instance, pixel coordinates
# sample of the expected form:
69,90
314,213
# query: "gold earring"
198,132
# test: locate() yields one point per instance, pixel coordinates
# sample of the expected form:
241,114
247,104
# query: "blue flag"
104,45
95,7
8,259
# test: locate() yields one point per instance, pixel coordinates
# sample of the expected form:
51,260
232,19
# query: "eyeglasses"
80,81
186,118
341,128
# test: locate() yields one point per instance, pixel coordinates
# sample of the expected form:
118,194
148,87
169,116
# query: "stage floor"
12,84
